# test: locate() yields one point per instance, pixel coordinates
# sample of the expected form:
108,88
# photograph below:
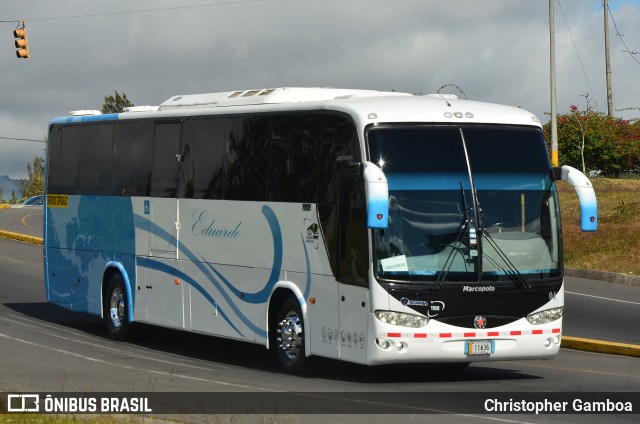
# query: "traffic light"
21,42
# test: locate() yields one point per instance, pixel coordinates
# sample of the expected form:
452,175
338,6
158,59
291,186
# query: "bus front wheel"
289,337
116,308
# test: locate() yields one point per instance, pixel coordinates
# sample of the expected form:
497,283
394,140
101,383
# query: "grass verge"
615,247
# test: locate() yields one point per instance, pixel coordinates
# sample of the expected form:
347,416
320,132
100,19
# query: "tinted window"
132,157
246,159
353,250
203,142
94,171
164,171
493,150
294,158
64,157
340,152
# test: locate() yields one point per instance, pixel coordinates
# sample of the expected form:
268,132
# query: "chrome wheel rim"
117,307
290,335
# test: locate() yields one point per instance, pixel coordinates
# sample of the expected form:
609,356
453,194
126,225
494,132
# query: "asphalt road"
45,348
27,220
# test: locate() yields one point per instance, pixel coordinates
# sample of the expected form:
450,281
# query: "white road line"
132,368
602,298
144,353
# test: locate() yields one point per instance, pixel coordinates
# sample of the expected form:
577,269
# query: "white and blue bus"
371,227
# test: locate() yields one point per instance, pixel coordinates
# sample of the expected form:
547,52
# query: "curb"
611,277
21,237
598,346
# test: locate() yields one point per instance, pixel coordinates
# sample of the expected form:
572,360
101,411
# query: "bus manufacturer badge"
408,302
479,321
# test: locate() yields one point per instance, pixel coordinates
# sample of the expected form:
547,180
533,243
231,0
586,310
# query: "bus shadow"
251,356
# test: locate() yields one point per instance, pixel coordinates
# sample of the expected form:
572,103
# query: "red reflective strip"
493,334
394,335
469,334
444,335
536,332
555,330
516,333
420,336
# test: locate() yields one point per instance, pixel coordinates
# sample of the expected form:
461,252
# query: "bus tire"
116,308
290,337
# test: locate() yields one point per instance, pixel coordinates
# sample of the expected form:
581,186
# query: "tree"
594,141
13,199
115,104
34,184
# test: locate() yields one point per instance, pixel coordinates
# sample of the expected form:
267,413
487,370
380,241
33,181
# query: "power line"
22,139
631,53
578,53
163,9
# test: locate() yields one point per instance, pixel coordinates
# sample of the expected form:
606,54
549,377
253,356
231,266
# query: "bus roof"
366,106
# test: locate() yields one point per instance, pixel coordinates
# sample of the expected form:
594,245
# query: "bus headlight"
401,319
545,317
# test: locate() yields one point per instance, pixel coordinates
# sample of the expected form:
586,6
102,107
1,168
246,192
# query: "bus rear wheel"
289,337
116,308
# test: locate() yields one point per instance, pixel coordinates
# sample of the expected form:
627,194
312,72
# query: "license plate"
479,347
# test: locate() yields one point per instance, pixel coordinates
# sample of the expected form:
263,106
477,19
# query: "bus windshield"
467,203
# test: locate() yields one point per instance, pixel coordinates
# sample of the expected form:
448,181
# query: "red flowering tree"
593,141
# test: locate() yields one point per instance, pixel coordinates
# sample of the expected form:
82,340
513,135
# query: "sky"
494,50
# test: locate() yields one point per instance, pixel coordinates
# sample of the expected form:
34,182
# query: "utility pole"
608,59
554,109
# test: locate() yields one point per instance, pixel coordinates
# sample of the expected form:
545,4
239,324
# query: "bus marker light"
312,300
177,281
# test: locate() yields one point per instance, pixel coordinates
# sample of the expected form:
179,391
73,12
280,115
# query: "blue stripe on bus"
160,232
253,298
167,269
85,118
482,181
263,295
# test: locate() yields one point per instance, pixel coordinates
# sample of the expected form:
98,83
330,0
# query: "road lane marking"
104,346
224,383
171,375
17,261
580,370
602,298
24,220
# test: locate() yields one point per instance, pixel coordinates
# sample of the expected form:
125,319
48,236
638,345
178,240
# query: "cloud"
495,51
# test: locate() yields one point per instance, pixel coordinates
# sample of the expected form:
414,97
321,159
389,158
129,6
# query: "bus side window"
164,171
245,172
339,149
294,157
352,234
203,143
94,168
132,158
64,160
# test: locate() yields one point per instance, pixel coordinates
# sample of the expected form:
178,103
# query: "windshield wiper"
461,233
512,272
